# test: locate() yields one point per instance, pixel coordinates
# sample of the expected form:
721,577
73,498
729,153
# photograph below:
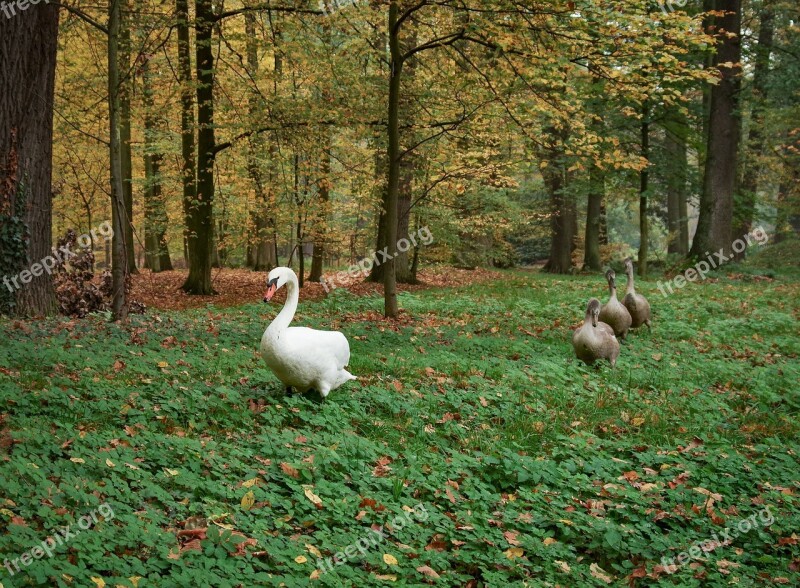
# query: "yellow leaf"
301,559
313,550
514,552
135,581
163,364
549,541
389,559
250,483
309,492
248,500
99,582
6,512
77,460
566,522
110,463
315,575
386,577
637,422
171,472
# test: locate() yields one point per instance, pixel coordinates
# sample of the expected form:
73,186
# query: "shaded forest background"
314,133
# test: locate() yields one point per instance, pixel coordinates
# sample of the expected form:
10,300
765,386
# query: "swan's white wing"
320,343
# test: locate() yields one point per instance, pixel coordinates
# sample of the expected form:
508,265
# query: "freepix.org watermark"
331,6
11,9
763,518
373,539
713,261
377,258
62,255
668,6
60,537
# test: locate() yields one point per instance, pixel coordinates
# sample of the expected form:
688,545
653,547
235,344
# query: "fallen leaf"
389,559
248,500
290,471
309,492
600,573
428,571
301,559
514,553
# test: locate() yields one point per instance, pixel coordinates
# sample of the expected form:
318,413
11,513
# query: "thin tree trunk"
594,213
644,180
155,215
677,176
201,212
320,231
391,309
561,222
119,258
261,256
28,45
188,168
745,205
714,226
125,131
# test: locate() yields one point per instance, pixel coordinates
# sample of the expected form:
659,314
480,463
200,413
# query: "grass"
526,468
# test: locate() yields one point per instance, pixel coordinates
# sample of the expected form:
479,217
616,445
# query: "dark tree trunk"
188,168
745,204
320,229
381,171
125,131
714,225
28,47
402,262
644,181
391,309
119,219
594,221
562,223
155,213
677,176
261,250
201,212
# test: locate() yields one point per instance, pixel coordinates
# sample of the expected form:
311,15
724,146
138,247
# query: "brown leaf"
290,471
428,571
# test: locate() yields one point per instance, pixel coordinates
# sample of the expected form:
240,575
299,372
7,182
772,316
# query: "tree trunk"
320,230
28,45
594,213
119,220
381,174
561,221
745,204
677,172
260,246
402,262
155,213
644,180
125,131
188,169
201,212
391,309
714,225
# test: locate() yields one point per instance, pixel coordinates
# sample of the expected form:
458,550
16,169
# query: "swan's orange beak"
272,287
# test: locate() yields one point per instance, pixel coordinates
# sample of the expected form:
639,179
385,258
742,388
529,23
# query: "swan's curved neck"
285,316
612,289
630,289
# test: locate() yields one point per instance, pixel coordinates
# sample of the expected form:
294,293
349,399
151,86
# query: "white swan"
302,358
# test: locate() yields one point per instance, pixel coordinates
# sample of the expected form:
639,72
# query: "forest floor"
474,450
